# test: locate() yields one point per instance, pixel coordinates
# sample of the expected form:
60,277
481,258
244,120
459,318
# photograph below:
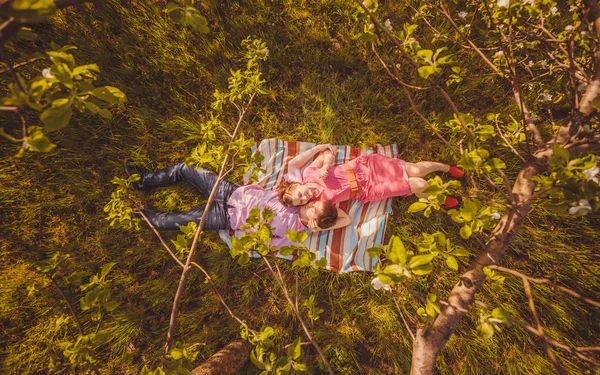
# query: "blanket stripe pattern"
344,248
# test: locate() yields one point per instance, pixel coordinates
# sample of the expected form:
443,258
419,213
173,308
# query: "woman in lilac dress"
367,178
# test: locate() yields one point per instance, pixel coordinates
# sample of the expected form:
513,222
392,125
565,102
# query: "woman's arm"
343,220
301,159
324,161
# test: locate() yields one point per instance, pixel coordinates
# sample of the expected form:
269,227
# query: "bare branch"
575,351
547,282
409,96
216,291
508,143
548,250
162,241
416,66
412,335
281,283
192,253
540,329
71,309
22,64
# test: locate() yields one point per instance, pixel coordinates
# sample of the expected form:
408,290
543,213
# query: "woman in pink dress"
367,178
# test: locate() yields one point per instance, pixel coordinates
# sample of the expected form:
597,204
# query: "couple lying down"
304,199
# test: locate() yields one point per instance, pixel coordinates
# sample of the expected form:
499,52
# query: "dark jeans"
203,180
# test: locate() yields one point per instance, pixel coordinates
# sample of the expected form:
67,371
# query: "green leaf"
295,350
452,263
111,305
417,206
266,333
301,237
106,269
92,107
286,250
267,215
420,260
485,330
26,11
25,33
109,94
460,251
396,252
37,141
465,231
86,69
322,263
498,163
300,367
176,353
427,70
264,234
422,270
500,314
374,252
105,113
430,310
57,116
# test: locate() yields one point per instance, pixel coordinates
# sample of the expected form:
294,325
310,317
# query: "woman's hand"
323,172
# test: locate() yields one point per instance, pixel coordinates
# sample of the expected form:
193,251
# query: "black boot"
149,180
133,169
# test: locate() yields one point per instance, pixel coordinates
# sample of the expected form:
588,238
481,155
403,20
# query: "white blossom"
467,25
583,33
529,2
495,216
533,117
545,97
503,3
463,14
371,26
583,208
266,51
582,87
377,284
544,64
77,77
46,74
568,27
553,10
388,24
592,173
499,54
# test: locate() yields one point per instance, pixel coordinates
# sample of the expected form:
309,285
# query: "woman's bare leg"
423,168
417,186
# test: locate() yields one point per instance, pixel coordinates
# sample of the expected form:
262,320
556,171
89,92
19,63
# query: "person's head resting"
322,214
294,193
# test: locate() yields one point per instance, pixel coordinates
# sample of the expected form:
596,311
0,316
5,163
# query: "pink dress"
377,176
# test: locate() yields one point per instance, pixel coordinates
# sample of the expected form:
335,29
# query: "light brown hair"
284,192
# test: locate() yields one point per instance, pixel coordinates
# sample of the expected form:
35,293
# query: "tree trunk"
226,361
430,340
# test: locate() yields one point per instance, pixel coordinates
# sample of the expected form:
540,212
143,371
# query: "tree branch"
547,282
71,309
540,329
190,258
279,278
573,350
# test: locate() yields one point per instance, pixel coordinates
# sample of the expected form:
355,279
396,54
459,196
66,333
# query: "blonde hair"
284,192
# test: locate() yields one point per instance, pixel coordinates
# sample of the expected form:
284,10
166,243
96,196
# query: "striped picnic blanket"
344,248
